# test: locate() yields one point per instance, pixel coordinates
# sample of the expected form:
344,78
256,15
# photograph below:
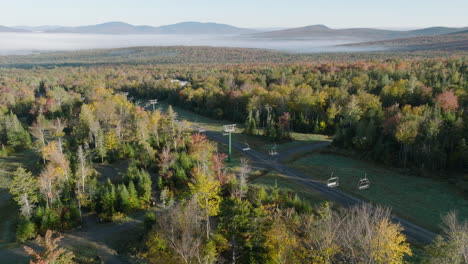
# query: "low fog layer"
29,43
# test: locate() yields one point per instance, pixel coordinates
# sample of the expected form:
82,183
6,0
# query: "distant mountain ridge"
199,28
106,28
448,42
9,29
202,28
179,28
37,28
321,31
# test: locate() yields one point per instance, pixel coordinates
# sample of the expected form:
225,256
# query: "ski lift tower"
227,130
153,102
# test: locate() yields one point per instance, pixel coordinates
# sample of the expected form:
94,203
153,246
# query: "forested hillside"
449,42
401,112
79,121
404,113
202,55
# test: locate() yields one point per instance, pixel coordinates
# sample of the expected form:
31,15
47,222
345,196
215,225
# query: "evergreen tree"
144,187
244,227
108,200
133,196
14,134
123,198
24,189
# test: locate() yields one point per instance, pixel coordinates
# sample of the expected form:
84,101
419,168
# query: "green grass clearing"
269,180
421,200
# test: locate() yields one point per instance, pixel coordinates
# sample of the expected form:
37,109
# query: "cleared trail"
93,237
414,232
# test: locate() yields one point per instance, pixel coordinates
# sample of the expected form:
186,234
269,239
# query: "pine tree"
108,200
16,136
123,198
24,189
144,187
133,196
100,146
244,227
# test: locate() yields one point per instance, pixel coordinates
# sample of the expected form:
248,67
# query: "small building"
182,83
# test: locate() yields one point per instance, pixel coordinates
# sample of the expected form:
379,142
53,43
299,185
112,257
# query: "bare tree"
26,206
322,236
82,168
48,181
182,227
58,126
359,235
244,172
368,236
457,233
39,129
166,159
83,172
59,160
219,167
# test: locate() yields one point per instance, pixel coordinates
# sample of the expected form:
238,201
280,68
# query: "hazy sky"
242,13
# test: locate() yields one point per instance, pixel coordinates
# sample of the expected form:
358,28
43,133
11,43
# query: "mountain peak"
114,23
189,27
8,29
319,26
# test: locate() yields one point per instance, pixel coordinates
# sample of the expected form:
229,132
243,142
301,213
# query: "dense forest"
202,55
403,113
406,113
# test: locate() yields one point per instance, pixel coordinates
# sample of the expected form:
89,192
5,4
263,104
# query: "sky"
241,13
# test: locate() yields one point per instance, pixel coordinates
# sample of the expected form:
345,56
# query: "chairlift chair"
201,130
333,181
247,148
273,151
364,184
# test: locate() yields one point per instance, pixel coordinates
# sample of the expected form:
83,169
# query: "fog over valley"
30,43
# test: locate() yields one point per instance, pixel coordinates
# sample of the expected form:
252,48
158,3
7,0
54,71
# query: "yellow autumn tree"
111,141
389,245
155,120
206,192
56,158
281,242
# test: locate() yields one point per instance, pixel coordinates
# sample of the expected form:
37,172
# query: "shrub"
26,230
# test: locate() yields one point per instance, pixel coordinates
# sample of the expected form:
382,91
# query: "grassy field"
271,178
8,207
421,200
